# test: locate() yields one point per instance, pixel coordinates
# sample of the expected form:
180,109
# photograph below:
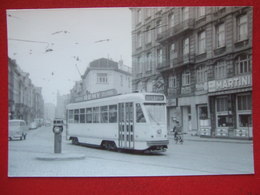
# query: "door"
126,125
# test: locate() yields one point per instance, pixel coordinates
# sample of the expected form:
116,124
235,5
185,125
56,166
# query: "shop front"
230,102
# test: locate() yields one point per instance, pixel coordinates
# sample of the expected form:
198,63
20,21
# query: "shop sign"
231,83
202,86
97,95
172,102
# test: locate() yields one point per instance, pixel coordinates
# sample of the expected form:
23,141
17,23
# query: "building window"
139,16
148,12
220,35
222,104
121,80
186,46
172,82
159,56
148,35
149,61
139,40
173,51
102,78
202,74
171,20
185,13
202,42
242,28
201,12
220,70
139,65
186,78
243,64
159,26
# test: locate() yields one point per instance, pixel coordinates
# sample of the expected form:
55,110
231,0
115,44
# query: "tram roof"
115,99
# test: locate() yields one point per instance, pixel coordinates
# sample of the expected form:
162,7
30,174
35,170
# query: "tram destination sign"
154,97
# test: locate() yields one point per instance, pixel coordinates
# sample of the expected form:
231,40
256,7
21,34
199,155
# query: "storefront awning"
240,90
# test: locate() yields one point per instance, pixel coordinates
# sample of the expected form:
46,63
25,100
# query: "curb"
60,156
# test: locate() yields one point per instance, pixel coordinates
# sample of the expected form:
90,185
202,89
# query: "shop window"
224,121
203,113
245,120
82,115
139,114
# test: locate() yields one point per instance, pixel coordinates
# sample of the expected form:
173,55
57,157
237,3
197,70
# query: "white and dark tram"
135,121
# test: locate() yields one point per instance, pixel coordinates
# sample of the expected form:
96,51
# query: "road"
190,158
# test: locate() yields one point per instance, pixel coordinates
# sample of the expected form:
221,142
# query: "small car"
33,125
17,129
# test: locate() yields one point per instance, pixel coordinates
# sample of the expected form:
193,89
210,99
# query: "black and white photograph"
133,91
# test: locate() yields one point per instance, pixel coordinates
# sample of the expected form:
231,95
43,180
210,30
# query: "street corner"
60,156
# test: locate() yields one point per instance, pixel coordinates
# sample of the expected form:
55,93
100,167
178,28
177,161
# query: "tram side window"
113,113
104,114
71,116
89,115
96,115
82,115
76,116
139,114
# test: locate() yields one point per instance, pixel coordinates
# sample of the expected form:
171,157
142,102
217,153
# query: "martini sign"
231,83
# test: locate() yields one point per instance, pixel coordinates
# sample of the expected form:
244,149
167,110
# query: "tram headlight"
159,131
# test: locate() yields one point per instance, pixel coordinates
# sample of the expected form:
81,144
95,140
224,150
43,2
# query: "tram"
134,121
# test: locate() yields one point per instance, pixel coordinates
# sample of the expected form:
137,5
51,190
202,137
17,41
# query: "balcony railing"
177,29
177,62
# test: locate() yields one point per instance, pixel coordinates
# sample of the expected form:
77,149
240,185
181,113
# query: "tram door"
126,125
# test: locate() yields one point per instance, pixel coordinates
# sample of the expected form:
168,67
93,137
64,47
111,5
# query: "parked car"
17,129
33,125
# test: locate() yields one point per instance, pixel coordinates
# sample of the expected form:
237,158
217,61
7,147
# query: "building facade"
201,58
62,102
103,75
25,101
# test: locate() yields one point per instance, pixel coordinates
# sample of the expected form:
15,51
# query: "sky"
55,46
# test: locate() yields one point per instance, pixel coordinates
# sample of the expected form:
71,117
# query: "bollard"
57,130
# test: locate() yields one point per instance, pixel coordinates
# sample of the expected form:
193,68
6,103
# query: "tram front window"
156,113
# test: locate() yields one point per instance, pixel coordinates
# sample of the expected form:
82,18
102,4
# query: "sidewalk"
188,137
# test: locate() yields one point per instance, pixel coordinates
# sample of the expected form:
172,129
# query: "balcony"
177,62
176,30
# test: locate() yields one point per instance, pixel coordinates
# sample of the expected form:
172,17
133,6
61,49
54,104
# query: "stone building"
103,75
201,58
25,101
